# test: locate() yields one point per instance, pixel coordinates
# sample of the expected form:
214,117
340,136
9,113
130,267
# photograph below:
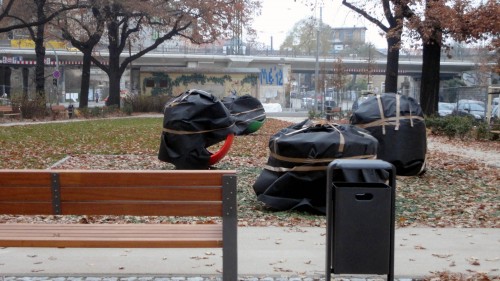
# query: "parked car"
471,101
473,109
445,108
329,104
360,100
495,114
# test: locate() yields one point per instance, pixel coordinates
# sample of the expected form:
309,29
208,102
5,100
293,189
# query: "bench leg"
229,261
229,230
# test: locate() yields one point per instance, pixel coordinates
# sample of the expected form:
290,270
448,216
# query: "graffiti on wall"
271,76
159,83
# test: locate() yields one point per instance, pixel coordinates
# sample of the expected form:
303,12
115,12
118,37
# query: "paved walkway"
265,253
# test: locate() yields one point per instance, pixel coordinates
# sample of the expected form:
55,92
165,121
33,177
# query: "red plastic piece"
216,157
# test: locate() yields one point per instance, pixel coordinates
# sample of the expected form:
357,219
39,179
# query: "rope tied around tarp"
180,132
391,121
274,154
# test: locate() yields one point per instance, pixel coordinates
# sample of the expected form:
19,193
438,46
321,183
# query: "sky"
279,16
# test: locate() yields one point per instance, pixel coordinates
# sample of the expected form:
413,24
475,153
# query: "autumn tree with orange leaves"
197,21
442,20
33,15
390,21
432,22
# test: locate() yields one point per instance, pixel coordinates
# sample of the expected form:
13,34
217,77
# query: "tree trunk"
85,81
40,51
114,76
8,83
40,61
392,66
429,88
3,86
26,73
114,88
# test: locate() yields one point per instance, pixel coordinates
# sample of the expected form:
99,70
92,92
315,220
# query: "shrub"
313,114
97,112
451,126
141,103
91,112
127,109
482,131
31,108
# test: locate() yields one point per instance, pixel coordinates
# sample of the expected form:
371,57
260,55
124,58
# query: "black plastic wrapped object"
193,122
247,111
397,122
295,175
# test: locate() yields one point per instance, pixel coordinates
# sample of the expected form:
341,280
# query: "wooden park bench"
111,192
495,130
334,112
58,111
8,111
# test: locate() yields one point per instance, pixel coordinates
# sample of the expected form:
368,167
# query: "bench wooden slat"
143,208
31,208
111,236
19,193
141,193
209,209
133,178
24,179
139,178
8,111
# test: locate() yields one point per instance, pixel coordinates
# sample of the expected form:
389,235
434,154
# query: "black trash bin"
360,222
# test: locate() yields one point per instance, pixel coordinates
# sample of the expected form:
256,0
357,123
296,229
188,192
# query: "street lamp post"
316,70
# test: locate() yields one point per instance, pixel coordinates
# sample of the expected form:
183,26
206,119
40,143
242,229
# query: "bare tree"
198,21
84,29
11,16
302,38
442,19
393,13
340,78
34,15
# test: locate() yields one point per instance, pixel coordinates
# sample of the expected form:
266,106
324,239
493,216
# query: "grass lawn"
454,192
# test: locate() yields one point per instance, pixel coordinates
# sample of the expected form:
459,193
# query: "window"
163,83
150,83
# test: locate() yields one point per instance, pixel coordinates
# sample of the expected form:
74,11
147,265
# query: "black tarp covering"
247,111
397,122
192,122
295,175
